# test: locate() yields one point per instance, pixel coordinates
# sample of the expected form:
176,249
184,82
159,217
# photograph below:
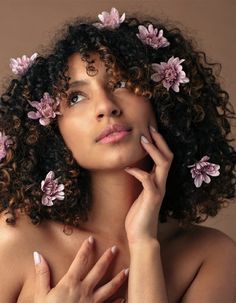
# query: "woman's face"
93,107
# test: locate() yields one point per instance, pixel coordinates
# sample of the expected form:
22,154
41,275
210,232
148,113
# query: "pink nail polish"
37,258
144,139
91,239
152,128
114,249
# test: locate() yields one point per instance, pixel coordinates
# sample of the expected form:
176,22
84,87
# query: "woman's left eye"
120,84
71,98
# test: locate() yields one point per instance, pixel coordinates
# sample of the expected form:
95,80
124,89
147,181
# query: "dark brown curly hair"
194,123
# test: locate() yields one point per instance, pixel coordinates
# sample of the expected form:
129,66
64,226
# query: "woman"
71,123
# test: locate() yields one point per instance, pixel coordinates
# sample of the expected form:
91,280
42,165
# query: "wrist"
143,243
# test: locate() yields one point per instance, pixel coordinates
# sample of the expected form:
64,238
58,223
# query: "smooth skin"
139,222
78,284
141,227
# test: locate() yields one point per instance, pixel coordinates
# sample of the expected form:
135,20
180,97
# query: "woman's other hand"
77,285
141,222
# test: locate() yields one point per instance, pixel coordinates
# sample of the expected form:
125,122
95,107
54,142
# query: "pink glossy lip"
113,128
116,136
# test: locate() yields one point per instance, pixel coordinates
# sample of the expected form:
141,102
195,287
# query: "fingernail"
127,271
91,239
144,139
152,128
114,249
37,258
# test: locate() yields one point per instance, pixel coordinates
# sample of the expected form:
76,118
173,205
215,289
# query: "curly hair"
194,122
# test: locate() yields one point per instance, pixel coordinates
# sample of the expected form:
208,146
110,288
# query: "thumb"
42,280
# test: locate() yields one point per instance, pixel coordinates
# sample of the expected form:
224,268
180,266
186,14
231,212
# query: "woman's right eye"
72,97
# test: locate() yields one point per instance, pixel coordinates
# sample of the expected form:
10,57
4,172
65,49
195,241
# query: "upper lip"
111,128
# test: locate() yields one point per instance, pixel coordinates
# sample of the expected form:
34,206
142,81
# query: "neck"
113,192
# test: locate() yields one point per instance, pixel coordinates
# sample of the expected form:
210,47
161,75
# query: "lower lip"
114,137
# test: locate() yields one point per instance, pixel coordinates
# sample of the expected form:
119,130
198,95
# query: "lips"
112,128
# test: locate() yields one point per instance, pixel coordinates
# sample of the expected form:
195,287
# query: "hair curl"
194,122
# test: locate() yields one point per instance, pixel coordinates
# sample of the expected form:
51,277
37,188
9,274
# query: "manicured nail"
37,258
127,271
144,139
152,128
91,239
114,249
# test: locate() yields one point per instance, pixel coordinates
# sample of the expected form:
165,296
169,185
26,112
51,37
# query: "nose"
107,106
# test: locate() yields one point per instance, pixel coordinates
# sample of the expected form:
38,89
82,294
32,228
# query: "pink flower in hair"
170,73
149,36
5,141
201,169
20,65
110,20
52,190
45,109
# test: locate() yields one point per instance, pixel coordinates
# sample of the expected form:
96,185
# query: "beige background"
27,25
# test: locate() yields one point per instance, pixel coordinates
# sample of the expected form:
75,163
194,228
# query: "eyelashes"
122,83
72,94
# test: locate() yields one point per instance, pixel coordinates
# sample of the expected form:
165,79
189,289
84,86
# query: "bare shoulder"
215,279
11,264
213,239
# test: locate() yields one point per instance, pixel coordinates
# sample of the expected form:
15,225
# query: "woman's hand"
142,219
77,285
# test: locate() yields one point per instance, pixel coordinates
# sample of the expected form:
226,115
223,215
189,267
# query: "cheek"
145,113
73,133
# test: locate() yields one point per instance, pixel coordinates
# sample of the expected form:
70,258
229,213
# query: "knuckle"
166,162
146,176
42,271
83,258
86,288
71,281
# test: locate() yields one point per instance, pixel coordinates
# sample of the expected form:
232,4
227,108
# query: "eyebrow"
78,83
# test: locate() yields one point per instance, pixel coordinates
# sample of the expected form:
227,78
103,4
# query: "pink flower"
52,190
45,109
110,20
20,65
5,141
170,73
149,36
202,169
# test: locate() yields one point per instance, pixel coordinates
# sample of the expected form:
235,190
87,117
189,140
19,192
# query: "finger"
151,190
161,143
42,280
80,265
153,151
107,290
162,162
153,183
99,269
